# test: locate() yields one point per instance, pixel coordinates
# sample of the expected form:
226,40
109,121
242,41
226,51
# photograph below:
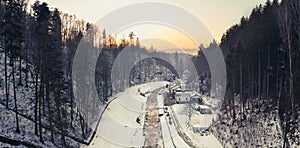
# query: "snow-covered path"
118,126
171,138
170,135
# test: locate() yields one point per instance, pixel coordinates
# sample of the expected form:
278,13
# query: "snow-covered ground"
25,100
258,129
169,133
118,126
259,132
182,114
7,122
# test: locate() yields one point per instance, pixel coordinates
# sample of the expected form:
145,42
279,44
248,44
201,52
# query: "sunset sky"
216,15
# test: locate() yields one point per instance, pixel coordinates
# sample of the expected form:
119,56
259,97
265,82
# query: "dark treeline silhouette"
262,59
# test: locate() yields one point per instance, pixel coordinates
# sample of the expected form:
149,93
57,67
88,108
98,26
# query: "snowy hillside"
256,129
25,92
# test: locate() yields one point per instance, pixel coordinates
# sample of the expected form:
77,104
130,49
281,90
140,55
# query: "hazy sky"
217,15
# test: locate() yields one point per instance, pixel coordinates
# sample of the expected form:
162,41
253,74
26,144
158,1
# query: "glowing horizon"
217,16
180,41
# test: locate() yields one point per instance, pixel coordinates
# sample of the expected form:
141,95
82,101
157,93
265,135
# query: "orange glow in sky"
147,33
216,15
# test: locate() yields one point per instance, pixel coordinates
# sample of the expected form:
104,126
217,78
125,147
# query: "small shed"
183,97
204,109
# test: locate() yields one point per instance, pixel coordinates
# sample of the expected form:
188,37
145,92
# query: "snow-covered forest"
38,45
37,49
262,58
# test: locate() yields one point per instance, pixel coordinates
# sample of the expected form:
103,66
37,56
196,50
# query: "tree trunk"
61,127
15,97
285,140
280,88
20,72
59,113
250,85
252,89
71,95
268,77
259,97
241,92
291,90
264,89
6,81
232,99
49,111
41,95
26,62
81,120
277,77
36,106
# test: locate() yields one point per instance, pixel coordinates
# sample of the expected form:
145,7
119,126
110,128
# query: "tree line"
37,48
262,59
